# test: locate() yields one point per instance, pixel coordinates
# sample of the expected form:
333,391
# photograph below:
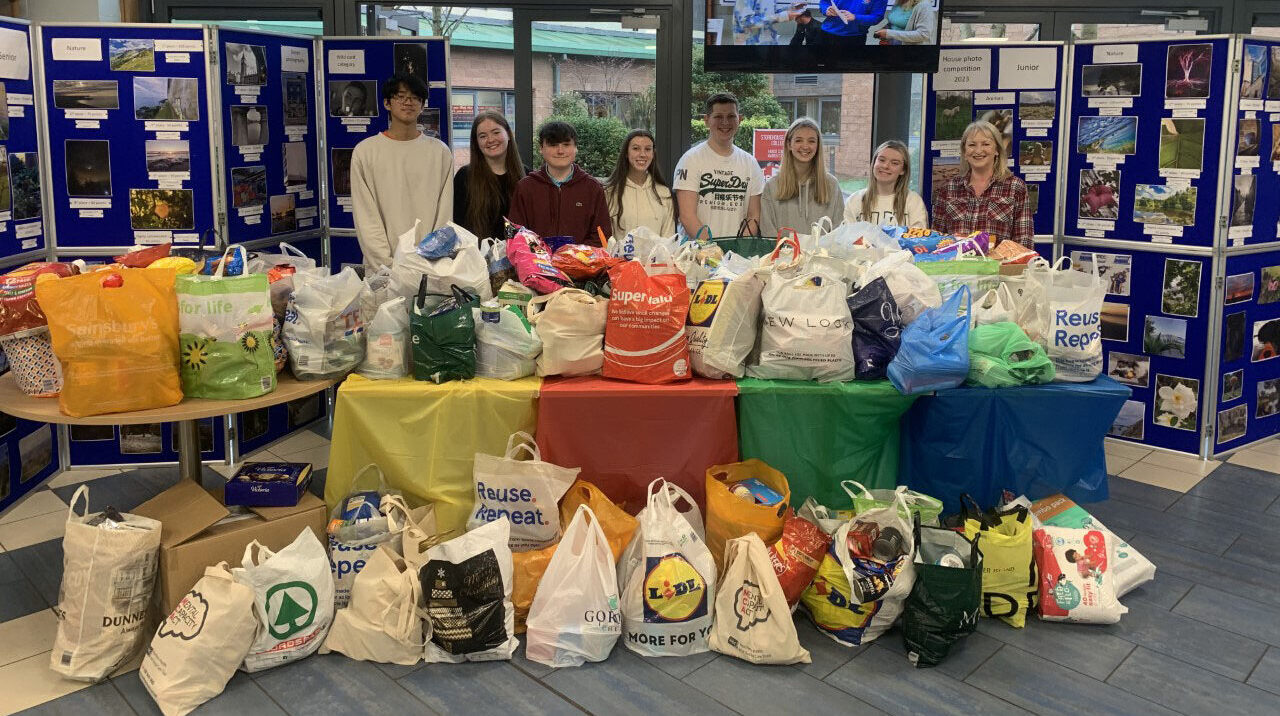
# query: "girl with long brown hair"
637,192
482,189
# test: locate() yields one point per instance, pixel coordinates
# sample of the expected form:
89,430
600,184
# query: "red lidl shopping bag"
644,339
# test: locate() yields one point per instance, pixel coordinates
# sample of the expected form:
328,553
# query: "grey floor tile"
1231,613
1033,683
889,682
242,697
1208,538
628,684
1188,639
1165,590
1266,675
533,668
397,671
1166,680
487,687
682,666
770,690
1261,527
1202,568
965,655
97,699
827,654
1086,648
18,596
42,565
1140,493
331,683
128,489
1244,487
1257,554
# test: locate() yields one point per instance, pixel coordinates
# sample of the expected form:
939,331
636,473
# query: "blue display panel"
1155,335
354,69
269,135
21,209
127,116
1016,86
1249,386
1144,140
28,456
141,444
258,428
1255,176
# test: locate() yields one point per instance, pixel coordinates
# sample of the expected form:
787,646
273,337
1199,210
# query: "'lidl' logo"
673,590
703,304
291,607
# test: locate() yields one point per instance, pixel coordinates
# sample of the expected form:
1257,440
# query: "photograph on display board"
1177,402
249,125
1165,337
1158,204
1035,153
353,98
429,121
1266,340
1181,143
248,186
1187,71
296,105
1181,293
1121,80
303,410
284,216
24,182
1239,287
161,209
1129,422
88,165
1115,270
1243,199
168,156
133,55
7,423
1233,423
1037,106
296,171
1115,321
1268,398
205,430
953,111
1275,142
254,424
1232,385
141,439
1248,138
1107,135
35,452
1273,77
1233,338
5,203
1270,291
174,99
1129,369
411,59
4,116
1002,120
246,64
342,171
1253,72
86,94
92,433
1099,193
1033,196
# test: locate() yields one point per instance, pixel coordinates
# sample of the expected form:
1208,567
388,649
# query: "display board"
1248,397
1255,168
127,121
353,70
21,203
91,445
255,429
1145,140
28,455
1018,88
271,168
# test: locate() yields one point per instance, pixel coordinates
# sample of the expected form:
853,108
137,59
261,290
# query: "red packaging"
143,258
797,554
581,262
861,538
644,339
19,310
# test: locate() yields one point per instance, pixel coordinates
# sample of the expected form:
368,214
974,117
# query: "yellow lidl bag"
730,516
1009,585
115,332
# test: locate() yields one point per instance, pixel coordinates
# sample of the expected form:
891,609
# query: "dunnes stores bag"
1008,566
1074,309
292,598
753,621
466,584
667,578
702,312
525,492
644,335
1077,579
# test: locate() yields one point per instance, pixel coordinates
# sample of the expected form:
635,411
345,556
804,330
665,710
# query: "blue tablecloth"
1034,440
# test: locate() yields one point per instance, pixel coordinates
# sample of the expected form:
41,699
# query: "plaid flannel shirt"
1004,210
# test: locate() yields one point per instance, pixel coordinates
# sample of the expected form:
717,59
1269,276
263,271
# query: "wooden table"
186,414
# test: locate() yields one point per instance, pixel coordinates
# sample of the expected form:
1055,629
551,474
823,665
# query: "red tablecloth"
625,435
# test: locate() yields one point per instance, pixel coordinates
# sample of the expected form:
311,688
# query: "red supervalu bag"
644,338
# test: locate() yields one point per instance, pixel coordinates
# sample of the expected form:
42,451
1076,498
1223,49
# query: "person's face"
804,145
353,100
723,122
404,106
980,151
889,164
560,156
640,153
492,139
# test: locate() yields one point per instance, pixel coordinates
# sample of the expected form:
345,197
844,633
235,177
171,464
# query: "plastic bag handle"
821,227
791,241
460,295
247,560
977,513
698,233
592,527
527,443
287,247
653,252
81,491
421,298
846,484
382,480
745,226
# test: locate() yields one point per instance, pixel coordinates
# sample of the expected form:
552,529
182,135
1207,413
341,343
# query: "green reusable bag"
927,508
944,601
980,275
1001,356
224,335
745,243
443,336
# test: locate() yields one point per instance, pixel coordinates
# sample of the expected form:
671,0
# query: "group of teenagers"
403,180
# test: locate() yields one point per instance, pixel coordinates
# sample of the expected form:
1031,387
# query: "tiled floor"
1203,638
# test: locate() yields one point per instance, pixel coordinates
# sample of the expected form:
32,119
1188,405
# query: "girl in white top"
637,192
887,201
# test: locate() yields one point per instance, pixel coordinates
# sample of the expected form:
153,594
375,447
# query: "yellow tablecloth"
425,436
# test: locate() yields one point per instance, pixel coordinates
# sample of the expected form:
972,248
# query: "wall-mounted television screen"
822,36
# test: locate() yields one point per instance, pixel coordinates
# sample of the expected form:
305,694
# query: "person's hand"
882,34
832,11
847,16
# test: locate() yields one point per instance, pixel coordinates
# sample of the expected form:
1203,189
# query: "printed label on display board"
1110,111
344,201
995,98
1095,234
1185,103
178,58
4,227
1237,242
30,244
84,113
253,219
180,46
79,203
947,145
15,55
1250,115
168,135
1107,54
1098,224
251,148
252,157
1096,102
1160,230
295,59
248,92
152,237
1245,171
77,49
1034,177
1105,160
346,62
1251,104
1240,232
21,98
17,110
296,134
1274,117
1272,105
1178,184
356,120
22,231
963,69
1028,68
305,223
1180,173
1186,112
1162,239
1275,166
90,213
5,216
88,124
947,153
437,84
187,238
161,126
1037,132
357,127
308,212
169,183
307,195
250,210
1248,162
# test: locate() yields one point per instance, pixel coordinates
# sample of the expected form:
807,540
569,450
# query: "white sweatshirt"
641,208
394,183
882,210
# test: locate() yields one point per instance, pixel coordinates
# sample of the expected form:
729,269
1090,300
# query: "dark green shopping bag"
443,337
943,605
745,243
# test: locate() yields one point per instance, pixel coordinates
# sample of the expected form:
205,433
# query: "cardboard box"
193,535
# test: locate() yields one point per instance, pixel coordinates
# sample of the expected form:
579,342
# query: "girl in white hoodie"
637,192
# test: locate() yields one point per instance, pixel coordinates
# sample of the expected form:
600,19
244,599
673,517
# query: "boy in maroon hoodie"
561,199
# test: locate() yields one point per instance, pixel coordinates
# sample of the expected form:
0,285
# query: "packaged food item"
19,310
181,265
143,256
758,492
796,555
581,262
1132,570
532,261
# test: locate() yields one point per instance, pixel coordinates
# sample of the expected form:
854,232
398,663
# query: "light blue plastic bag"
935,348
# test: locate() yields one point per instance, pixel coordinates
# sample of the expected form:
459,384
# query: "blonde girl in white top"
637,192
887,200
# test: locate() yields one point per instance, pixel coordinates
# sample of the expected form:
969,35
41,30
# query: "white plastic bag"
466,268
323,326
753,621
466,584
383,623
703,306
282,285
667,578
575,616
912,290
507,347
1030,293
570,323
641,241
292,598
197,648
108,574
995,306
854,237
735,325
526,492
387,342
1073,315
1077,579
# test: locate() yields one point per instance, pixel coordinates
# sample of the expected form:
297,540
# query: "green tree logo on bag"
291,607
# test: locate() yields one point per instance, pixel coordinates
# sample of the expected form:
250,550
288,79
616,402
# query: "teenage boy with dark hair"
399,176
717,184
561,199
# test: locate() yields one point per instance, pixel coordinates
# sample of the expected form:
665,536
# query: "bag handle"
421,298
409,620
591,525
976,513
847,484
821,227
382,480
699,232
745,227
653,252
526,443
81,491
783,241
247,561
287,247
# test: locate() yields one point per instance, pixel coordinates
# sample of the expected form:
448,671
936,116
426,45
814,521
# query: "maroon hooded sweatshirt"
574,209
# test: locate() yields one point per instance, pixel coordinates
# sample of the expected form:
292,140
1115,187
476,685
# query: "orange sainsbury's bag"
116,334
644,339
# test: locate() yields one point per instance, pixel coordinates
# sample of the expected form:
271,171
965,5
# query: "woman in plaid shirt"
988,197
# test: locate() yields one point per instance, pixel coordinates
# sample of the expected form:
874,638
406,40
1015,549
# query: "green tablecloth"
818,434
